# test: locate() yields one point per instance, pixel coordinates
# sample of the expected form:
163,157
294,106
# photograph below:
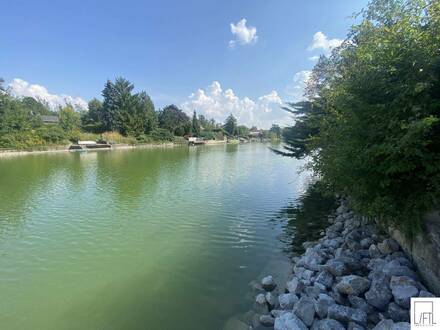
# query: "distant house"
50,119
256,133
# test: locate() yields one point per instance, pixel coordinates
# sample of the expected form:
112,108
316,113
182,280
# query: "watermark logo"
425,313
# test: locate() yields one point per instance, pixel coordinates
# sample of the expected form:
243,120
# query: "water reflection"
304,219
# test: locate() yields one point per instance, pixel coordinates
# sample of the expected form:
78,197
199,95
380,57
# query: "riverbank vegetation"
122,117
370,125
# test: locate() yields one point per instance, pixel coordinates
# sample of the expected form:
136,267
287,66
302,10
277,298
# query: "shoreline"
354,277
9,153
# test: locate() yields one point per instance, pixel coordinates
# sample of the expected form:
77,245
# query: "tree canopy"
230,125
371,122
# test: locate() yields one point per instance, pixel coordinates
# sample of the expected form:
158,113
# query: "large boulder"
287,300
403,293
379,294
305,310
295,285
354,326
261,306
311,260
390,325
267,320
388,246
337,267
402,280
289,321
302,273
271,299
278,312
394,268
268,283
343,265
374,251
260,299
397,313
322,304
327,324
360,303
325,278
346,314
353,285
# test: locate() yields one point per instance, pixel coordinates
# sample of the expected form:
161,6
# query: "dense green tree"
127,113
174,120
69,118
37,107
91,120
372,124
230,125
242,130
118,103
195,127
276,130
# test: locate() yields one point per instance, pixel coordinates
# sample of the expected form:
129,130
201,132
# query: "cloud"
242,34
321,41
314,58
19,87
214,102
298,84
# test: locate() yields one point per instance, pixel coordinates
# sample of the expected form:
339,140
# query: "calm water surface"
139,239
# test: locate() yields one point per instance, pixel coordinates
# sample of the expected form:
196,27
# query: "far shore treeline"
371,122
122,117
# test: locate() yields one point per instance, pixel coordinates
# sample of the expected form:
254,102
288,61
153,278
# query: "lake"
140,239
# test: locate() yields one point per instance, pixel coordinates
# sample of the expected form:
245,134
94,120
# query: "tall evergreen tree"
117,104
195,125
230,125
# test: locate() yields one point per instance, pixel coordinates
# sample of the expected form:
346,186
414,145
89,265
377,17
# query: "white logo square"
425,313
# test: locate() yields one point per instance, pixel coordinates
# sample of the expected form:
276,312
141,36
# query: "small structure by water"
86,145
195,141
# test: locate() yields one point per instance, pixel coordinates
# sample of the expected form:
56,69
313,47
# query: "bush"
52,134
21,140
161,134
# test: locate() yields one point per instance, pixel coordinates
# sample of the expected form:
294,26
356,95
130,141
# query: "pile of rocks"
354,277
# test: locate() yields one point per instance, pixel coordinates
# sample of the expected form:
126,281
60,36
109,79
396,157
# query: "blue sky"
172,49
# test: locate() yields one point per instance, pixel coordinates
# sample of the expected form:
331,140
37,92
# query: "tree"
275,130
91,120
147,112
127,113
372,125
230,125
242,131
174,120
69,118
37,107
117,103
195,128
298,139
14,117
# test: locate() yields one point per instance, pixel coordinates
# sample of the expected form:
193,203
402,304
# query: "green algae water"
139,239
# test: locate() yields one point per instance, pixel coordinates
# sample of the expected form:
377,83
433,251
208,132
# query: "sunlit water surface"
139,239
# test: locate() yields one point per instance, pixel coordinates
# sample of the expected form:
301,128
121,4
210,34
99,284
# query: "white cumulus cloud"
243,35
322,42
20,88
214,102
298,84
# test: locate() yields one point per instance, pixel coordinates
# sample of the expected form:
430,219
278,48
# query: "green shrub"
161,134
52,134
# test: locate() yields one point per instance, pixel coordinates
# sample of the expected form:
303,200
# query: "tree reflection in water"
304,219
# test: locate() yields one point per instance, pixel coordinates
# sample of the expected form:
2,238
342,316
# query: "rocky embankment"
355,277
